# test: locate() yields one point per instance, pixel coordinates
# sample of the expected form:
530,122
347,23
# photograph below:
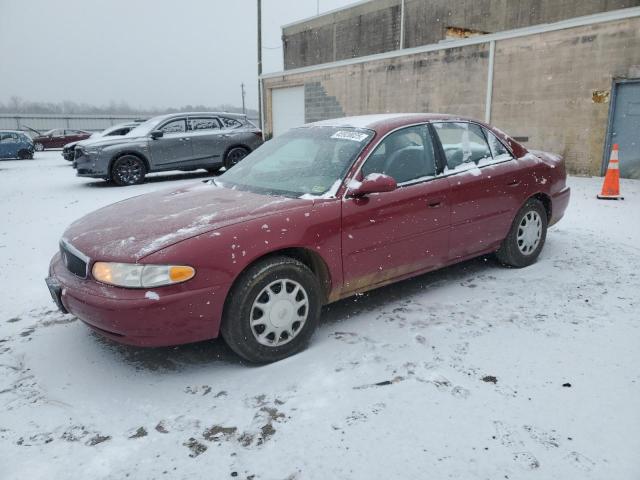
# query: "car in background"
320,213
15,144
68,151
58,138
179,141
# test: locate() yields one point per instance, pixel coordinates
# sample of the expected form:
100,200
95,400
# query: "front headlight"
91,150
132,275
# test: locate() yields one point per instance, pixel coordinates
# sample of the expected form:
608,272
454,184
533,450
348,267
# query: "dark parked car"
15,144
68,151
320,213
58,138
183,141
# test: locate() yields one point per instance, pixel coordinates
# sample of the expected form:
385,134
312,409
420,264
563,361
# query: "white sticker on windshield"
349,135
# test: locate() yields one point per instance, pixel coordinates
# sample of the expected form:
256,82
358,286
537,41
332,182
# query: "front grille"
73,262
77,153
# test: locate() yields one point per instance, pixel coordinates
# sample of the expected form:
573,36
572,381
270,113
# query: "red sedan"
58,138
320,213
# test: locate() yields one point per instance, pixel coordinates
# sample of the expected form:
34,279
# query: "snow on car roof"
372,121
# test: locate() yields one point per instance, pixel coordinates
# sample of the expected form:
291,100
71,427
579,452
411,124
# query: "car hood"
109,141
87,141
132,229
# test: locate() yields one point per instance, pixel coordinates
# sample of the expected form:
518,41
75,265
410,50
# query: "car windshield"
145,128
304,162
49,132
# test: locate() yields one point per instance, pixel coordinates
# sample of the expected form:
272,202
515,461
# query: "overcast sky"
148,53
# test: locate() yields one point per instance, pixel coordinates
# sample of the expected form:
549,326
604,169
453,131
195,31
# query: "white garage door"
287,108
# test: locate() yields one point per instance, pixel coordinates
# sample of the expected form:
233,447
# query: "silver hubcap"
279,312
529,232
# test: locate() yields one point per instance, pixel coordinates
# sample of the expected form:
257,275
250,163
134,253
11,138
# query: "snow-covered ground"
475,371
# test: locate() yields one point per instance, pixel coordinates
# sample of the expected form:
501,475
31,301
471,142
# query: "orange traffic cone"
611,185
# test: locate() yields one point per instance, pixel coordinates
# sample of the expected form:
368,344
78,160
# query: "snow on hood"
132,229
108,141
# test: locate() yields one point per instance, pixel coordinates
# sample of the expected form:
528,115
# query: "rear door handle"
434,203
185,139
513,183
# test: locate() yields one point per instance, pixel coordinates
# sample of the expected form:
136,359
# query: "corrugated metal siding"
46,122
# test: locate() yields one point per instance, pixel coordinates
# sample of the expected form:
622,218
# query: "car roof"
187,114
378,121
386,122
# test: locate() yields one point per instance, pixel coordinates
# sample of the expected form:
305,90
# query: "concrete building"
561,75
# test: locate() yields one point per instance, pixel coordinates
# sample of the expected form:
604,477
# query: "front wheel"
25,155
272,310
526,237
234,156
128,170
39,147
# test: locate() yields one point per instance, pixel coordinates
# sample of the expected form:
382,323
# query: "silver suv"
180,141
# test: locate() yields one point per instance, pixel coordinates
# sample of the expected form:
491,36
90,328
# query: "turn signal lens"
141,276
181,274
102,272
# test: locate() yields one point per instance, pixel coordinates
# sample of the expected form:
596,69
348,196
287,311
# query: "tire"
250,300
128,170
25,155
525,240
213,170
39,147
234,155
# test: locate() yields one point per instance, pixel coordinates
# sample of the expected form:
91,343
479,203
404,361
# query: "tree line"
68,107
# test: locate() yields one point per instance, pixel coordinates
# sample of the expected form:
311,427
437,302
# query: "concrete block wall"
374,27
362,30
543,88
427,20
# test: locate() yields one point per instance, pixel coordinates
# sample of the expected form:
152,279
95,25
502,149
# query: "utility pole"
318,7
260,64
402,25
244,110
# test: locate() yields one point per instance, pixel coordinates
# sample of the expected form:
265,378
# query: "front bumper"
90,166
171,316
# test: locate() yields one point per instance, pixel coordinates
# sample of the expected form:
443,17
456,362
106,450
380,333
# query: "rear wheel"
128,170
272,310
39,147
234,156
526,237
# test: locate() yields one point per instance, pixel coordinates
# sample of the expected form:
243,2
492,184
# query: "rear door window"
463,143
203,123
499,152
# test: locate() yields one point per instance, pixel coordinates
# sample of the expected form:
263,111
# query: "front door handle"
513,183
434,203
185,139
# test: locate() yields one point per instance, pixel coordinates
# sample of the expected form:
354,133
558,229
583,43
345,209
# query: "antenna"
244,110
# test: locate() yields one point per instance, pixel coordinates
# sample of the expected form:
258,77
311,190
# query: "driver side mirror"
155,134
372,183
